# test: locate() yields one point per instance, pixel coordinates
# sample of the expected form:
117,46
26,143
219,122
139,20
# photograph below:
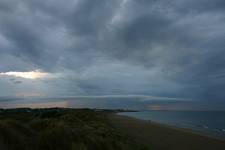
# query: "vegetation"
60,129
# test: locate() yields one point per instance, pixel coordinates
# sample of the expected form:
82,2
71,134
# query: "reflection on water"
39,105
110,102
43,105
77,102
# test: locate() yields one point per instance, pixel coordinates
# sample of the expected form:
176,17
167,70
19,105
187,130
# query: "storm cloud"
115,47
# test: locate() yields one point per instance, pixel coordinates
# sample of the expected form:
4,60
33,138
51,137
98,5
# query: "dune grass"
61,129
85,129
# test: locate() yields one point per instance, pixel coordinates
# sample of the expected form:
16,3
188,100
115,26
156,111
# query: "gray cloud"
161,48
17,82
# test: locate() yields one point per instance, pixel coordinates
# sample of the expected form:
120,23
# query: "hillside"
60,129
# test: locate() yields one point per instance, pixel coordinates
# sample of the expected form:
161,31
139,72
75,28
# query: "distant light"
36,74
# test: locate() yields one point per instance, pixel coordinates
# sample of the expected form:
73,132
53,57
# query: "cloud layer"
109,47
27,75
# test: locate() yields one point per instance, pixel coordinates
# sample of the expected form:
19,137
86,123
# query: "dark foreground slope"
60,129
85,129
160,137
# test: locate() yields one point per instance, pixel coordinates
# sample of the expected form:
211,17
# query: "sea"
210,123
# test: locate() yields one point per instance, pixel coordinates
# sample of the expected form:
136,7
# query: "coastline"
205,129
161,136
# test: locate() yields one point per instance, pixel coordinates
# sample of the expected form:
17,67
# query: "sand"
160,137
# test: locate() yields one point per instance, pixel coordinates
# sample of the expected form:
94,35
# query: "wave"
202,126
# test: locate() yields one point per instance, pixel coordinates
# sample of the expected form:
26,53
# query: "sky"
162,50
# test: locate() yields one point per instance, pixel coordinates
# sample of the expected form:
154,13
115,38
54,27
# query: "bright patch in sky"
36,74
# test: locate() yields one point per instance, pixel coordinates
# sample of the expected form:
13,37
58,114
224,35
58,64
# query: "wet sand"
161,137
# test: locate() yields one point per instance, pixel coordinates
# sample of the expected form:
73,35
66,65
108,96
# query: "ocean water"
210,123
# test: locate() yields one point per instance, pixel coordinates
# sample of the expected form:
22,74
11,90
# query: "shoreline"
188,130
162,136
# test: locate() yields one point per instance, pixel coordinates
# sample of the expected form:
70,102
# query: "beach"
93,129
162,137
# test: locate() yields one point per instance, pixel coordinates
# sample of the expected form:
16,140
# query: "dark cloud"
13,80
17,82
152,47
